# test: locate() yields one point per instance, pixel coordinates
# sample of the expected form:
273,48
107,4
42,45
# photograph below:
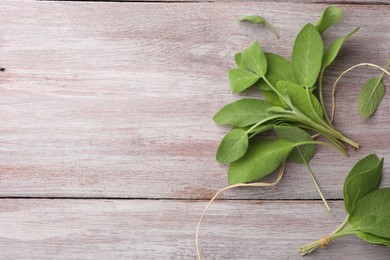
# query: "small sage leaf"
254,59
262,157
296,135
259,20
237,59
334,49
370,97
331,16
243,112
372,213
373,239
241,79
233,146
364,178
307,56
299,98
278,68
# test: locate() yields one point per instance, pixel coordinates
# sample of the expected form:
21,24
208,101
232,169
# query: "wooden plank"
156,229
116,100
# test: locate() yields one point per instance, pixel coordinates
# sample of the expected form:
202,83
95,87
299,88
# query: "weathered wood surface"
149,229
117,99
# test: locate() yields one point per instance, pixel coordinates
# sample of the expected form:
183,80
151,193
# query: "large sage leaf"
331,16
373,239
262,157
278,68
241,79
370,97
233,146
372,213
334,49
307,56
243,112
254,59
298,97
296,135
364,178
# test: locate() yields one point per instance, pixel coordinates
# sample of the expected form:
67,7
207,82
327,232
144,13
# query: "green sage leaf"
233,146
307,56
331,16
258,19
243,112
370,97
373,239
262,157
254,59
295,134
278,68
334,49
372,213
299,98
364,178
241,79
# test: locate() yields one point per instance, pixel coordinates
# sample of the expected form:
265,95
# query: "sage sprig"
367,206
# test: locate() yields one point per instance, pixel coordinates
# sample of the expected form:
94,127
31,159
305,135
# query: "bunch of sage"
367,206
289,101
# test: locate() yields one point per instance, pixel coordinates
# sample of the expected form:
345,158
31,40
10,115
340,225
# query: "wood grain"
154,229
116,99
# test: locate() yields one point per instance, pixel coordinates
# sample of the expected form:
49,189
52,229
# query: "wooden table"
107,144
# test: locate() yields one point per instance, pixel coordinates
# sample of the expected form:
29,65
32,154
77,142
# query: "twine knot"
324,241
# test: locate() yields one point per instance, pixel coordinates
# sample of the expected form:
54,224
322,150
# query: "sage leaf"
241,79
243,112
233,146
252,19
262,157
363,178
296,135
372,213
254,59
334,49
258,19
331,16
278,68
373,239
299,98
307,56
370,97
237,59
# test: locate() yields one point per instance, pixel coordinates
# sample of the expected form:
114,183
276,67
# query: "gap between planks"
161,199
